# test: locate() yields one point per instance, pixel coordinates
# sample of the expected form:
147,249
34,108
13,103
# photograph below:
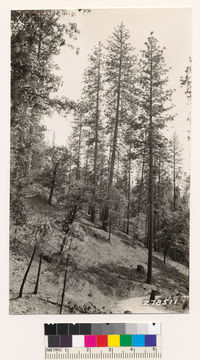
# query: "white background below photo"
22,336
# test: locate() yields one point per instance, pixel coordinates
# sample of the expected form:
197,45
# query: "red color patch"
102,340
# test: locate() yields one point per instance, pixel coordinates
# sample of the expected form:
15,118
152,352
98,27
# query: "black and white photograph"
100,132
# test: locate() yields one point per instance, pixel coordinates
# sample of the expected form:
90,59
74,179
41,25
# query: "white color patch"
78,341
154,329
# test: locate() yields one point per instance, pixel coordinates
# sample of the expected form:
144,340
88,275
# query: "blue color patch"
150,340
138,340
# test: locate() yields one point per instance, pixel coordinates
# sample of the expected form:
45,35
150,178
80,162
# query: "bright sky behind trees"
172,28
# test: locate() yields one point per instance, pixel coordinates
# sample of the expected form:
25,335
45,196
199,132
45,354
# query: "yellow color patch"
113,340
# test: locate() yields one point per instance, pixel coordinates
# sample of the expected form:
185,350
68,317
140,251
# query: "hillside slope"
101,275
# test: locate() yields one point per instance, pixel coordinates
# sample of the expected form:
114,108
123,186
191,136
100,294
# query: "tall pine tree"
155,103
92,94
119,77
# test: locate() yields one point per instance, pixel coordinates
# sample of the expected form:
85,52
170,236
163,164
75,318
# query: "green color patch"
125,340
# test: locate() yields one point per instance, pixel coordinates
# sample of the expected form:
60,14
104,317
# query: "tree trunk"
146,228
38,275
159,207
92,213
165,255
96,139
53,184
105,214
118,164
66,230
110,227
78,172
115,136
63,243
124,225
141,182
26,273
151,195
128,193
174,191
64,284
29,156
174,176
70,165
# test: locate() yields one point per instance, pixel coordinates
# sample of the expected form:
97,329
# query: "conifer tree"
186,83
176,164
77,139
155,103
119,77
92,94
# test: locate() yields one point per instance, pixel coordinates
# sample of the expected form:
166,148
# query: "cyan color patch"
138,340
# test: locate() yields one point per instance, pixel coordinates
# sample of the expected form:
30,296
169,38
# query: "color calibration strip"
102,335
101,340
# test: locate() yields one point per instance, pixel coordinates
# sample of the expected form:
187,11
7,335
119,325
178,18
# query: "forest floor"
102,276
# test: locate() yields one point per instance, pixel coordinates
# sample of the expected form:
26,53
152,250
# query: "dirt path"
135,305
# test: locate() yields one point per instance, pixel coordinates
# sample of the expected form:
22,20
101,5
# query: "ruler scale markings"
152,353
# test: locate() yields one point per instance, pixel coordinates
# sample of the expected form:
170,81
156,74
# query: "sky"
172,28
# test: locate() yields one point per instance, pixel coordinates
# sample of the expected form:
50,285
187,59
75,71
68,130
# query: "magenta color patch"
90,341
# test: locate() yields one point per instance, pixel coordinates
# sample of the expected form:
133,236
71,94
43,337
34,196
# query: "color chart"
101,341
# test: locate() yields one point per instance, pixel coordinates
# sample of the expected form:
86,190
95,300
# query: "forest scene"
100,161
